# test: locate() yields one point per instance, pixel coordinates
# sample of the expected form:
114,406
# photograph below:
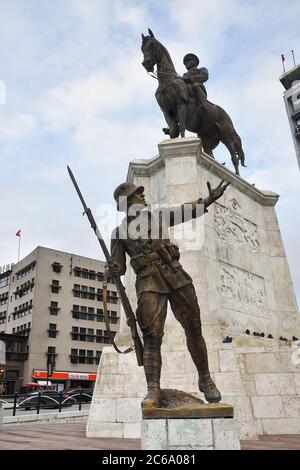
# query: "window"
92,293
90,335
82,335
52,331
4,280
99,295
74,333
57,267
99,336
55,286
53,308
81,356
90,357
74,356
112,297
28,269
85,273
98,356
51,355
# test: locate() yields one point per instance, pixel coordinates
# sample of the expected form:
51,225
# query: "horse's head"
151,51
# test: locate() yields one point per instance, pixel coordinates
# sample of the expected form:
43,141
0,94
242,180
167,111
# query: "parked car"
86,394
48,399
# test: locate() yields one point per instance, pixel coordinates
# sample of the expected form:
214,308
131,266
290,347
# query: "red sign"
42,374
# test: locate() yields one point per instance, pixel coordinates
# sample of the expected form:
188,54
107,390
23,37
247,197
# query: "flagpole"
293,58
19,248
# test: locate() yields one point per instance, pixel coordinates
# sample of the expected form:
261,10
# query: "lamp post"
49,369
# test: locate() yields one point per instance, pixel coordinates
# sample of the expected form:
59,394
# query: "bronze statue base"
178,404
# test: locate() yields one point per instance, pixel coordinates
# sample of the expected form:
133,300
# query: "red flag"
282,58
18,234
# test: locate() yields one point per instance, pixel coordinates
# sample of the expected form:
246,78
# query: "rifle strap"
106,317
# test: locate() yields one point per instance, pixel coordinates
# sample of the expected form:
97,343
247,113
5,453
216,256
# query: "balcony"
24,332
16,356
21,310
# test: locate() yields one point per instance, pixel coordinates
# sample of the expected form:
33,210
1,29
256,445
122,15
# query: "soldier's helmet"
191,56
124,191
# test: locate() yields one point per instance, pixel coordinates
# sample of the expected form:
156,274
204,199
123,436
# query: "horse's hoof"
166,131
245,166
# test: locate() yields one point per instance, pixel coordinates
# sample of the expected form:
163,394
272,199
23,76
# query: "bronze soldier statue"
160,278
196,77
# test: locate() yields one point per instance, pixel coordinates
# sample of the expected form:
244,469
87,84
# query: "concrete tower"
291,82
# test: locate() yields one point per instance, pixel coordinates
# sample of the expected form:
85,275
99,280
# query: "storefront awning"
59,375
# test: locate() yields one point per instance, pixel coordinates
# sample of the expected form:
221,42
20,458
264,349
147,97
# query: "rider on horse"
196,77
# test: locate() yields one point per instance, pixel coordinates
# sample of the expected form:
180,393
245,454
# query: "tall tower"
291,82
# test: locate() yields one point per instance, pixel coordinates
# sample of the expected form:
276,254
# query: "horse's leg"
208,145
181,113
173,130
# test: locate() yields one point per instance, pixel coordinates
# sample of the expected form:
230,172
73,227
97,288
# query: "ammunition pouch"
139,262
168,253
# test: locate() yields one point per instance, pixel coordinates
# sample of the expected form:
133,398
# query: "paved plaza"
36,436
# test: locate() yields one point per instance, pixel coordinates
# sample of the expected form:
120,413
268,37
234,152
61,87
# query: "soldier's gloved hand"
218,191
113,269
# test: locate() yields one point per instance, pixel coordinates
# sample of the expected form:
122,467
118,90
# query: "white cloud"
16,126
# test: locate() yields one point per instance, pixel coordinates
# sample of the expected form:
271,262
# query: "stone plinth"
190,434
178,404
242,280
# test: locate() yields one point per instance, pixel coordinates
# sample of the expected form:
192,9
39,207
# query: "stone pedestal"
190,434
242,281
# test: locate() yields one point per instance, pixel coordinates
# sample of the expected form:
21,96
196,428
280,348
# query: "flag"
18,234
282,58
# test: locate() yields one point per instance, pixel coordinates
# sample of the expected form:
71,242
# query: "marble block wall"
242,280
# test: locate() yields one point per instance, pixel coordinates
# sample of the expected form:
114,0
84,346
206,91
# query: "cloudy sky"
76,94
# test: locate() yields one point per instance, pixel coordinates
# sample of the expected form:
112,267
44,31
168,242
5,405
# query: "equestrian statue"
183,101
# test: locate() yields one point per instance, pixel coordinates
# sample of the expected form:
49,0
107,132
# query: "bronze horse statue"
180,108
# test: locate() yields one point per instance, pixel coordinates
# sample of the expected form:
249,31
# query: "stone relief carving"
242,290
232,227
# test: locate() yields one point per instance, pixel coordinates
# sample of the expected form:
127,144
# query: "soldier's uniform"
197,76
160,278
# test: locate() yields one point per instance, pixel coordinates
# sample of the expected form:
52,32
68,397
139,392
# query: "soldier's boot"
208,387
152,366
152,398
198,351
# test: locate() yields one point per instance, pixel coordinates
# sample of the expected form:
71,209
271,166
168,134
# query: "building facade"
13,354
55,299
291,82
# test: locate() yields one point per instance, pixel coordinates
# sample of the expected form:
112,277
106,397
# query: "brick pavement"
37,436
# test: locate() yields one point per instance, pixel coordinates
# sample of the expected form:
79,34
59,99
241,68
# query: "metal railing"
41,400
